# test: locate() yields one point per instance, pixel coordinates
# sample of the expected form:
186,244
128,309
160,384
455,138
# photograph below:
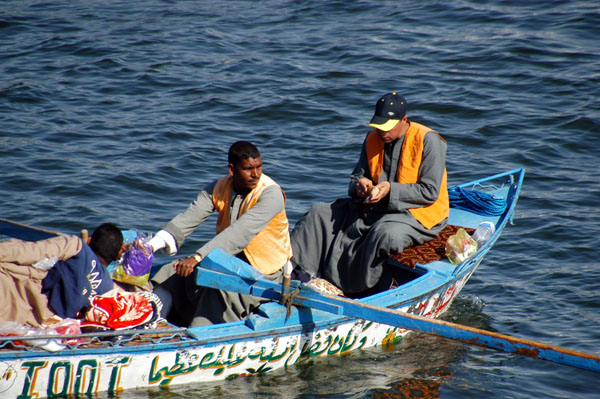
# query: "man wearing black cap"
398,198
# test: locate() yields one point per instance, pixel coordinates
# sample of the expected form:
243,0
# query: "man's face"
396,132
246,174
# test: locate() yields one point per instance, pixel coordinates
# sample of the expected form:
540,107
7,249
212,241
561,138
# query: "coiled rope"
478,202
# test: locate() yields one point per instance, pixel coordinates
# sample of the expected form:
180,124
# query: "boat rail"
512,188
118,338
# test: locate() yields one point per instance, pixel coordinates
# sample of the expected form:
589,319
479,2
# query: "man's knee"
200,321
163,274
166,298
390,237
311,221
319,211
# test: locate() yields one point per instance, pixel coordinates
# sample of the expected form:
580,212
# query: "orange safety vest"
270,249
408,171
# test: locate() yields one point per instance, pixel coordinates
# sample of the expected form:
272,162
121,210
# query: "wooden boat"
276,336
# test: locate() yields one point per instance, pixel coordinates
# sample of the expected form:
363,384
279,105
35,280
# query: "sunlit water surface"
121,111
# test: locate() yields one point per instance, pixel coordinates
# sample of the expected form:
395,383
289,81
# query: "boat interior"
403,267
414,269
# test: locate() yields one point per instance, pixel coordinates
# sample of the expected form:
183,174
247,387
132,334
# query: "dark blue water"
121,111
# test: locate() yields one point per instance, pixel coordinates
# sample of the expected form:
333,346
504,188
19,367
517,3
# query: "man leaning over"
35,296
251,224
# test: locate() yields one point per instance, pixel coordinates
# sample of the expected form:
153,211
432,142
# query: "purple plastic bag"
138,259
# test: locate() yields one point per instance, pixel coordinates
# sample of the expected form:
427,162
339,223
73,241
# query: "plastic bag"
120,274
460,246
46,263
134,266
14,329
483,232
66,326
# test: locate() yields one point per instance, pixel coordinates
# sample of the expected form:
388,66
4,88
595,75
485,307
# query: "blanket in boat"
430,251
122,310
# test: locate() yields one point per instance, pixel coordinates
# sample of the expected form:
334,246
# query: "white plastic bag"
46,263
460,246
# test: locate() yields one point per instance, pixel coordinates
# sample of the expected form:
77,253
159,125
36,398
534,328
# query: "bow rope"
478,202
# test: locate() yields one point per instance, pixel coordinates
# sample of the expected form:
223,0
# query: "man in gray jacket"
397,198
252,225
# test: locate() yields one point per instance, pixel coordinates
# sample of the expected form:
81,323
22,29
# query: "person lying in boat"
33,294
252,224
398,198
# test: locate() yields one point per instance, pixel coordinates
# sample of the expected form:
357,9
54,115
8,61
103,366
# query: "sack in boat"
460,246
122,310
324,286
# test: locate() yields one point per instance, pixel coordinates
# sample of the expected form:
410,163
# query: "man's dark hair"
106,241
242,150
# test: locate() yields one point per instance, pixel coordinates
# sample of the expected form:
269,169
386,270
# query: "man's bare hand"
379,192
186,266
363,187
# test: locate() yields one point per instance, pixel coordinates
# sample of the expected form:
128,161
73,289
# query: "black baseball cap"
388,111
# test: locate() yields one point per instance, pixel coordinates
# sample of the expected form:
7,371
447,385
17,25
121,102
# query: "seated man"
398,198
30,295
252,225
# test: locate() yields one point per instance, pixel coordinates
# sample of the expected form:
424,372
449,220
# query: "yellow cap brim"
389,125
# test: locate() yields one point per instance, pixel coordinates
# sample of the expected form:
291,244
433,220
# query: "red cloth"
119,311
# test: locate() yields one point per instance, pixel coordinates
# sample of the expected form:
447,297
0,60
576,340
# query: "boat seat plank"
441,266
272,315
